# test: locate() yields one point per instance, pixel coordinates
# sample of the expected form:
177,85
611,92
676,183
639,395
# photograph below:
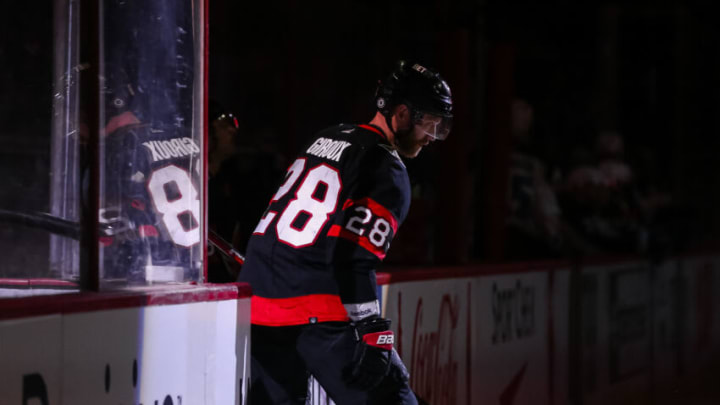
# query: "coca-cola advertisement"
433,337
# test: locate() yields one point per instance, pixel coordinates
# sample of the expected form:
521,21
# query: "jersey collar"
375,129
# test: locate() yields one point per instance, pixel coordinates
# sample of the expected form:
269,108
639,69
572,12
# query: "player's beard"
406,144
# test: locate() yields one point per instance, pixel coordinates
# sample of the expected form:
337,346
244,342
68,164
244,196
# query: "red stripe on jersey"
340,232
296,310
369,128
376,208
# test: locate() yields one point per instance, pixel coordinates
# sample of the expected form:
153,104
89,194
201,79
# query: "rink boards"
614,331
188,345
617,331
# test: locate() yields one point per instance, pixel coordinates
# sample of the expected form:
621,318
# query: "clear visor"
434,126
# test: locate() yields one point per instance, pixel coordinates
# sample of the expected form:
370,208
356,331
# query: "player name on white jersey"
328,148
171,148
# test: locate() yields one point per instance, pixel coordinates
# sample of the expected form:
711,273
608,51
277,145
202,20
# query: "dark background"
647,70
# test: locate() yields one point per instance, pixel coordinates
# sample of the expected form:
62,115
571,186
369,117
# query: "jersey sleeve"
369,219
123,255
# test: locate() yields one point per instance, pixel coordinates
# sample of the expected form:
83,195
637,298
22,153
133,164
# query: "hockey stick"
44,221
71,229
225,247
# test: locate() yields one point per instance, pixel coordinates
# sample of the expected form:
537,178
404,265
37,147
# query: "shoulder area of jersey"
333,143
328,146
389,149
373,137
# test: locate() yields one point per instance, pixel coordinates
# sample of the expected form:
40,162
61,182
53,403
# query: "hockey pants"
283,358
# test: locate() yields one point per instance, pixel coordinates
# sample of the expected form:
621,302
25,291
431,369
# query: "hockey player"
311,260
150,211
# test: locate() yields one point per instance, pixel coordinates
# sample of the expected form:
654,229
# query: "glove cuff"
369,325
375,332
382,340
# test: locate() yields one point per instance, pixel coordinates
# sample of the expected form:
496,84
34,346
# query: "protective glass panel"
39,148
150,142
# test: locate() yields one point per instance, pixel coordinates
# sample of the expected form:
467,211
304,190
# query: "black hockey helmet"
119,92
425,93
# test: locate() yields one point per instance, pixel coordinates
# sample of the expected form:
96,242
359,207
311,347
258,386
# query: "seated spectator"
243,181
610,151
251,177
223,131
536,227
598,201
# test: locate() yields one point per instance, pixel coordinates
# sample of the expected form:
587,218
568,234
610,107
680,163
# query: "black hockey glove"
398,372
389,391
373,353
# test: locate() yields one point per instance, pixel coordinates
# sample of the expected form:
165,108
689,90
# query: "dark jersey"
313,255
151,211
